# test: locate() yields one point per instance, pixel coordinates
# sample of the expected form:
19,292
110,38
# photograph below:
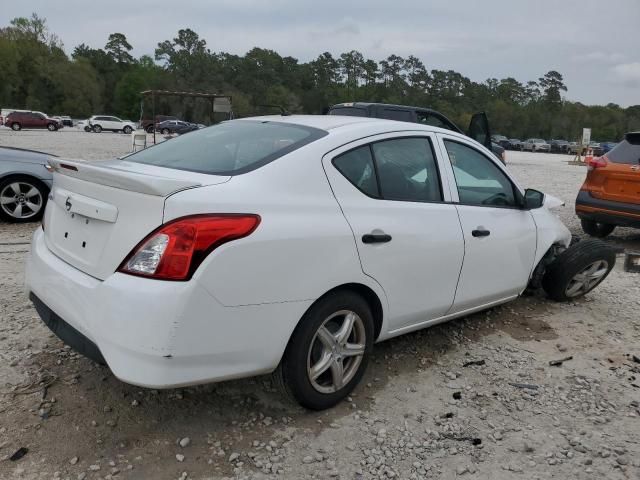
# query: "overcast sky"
593,43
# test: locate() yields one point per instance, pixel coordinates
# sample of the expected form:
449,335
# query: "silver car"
24,184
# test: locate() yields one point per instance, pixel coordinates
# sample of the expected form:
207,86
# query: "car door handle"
480,233
376,238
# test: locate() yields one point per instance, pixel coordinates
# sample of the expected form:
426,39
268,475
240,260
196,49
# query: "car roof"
392,105
339,123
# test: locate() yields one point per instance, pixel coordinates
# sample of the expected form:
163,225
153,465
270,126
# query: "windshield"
229,148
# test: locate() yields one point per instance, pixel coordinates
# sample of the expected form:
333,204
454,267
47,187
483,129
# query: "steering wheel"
497,199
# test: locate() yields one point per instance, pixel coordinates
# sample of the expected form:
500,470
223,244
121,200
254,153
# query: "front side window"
407,170
479,181
229,148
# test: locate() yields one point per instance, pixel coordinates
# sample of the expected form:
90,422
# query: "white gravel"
419,413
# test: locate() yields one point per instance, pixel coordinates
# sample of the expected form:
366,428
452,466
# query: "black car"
514,144
175,126
559,146
478,127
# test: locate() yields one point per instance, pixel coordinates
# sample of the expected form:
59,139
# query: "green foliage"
36,73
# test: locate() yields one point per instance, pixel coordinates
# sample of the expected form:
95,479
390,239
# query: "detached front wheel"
328,352
578,270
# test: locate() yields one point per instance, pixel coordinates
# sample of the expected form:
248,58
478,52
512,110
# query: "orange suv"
610,195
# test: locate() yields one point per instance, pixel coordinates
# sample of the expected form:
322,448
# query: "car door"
479,129
406,230
499,236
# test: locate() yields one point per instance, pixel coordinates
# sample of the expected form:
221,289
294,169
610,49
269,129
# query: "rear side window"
401,115
349,111
357,167
229,148
407,170
626,152
402,169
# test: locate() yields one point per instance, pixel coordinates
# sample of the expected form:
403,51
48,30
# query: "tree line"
36,73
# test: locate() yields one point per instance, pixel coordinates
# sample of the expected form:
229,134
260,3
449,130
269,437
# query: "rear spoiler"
123,179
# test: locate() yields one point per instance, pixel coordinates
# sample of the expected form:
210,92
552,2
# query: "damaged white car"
289,244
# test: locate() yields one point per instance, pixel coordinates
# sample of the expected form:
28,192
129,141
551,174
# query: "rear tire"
15,126
578,270
150,129
317,345
595,229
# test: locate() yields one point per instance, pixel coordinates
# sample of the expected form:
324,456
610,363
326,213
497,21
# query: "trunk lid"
99,211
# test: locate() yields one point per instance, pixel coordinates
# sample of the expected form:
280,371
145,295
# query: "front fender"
550,231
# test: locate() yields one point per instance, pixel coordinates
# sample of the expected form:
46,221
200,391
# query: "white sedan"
289,244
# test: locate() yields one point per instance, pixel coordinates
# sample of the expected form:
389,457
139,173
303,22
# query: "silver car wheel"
21,200
336,351
587,279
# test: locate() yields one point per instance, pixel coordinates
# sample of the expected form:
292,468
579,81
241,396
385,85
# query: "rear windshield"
229,148
625,152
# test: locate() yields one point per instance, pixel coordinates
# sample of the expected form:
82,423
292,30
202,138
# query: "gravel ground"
422,411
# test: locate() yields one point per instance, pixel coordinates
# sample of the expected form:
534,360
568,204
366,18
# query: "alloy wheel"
21,200
587,278
336,351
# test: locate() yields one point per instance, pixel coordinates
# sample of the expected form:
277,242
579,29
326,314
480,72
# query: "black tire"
165,131
87,128
27,214
150,129
97,128
595,229
52,127
15,126
560,275
292,375
127,129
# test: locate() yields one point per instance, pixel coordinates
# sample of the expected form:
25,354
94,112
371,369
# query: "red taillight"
597,162
175,250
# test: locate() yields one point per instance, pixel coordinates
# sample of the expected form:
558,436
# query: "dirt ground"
422,411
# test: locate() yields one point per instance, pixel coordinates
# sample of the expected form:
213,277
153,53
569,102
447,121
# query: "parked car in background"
19,120
608,146
147,124
66,120
596,149
573,147
98,123
289,244
610,194
25,183
559,146
478,126
514,144
175,126
536,145
498,139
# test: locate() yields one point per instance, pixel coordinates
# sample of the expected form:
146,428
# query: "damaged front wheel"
578,270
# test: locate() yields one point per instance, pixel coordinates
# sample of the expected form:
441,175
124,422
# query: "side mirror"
533,199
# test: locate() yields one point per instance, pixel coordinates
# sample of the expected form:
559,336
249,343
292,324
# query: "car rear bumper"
606,211
154,333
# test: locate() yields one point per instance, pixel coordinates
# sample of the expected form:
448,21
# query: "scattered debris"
21,452
559,362
529,386
474,362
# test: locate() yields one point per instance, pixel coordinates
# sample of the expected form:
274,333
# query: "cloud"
627,73
598,56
